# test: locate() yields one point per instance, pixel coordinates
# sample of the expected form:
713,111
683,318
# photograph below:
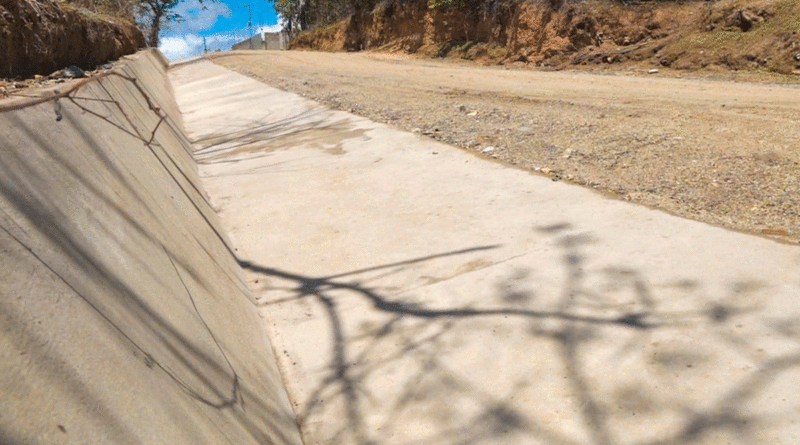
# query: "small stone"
546,170
70,72
461,108
38,77
567,153
652,71
472,113
488,149
417,130
73,72
482,139
524,129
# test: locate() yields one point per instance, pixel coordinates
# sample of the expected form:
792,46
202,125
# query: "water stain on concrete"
462,269
263,139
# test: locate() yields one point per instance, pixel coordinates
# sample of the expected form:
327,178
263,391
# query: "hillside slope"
725,34
41,36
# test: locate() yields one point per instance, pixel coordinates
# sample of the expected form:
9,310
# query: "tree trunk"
302,18
155,29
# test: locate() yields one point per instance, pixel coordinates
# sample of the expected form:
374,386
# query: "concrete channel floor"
416,293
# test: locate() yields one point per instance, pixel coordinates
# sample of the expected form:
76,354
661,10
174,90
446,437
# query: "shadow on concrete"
583,320
127,235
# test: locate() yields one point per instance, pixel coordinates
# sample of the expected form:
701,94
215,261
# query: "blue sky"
222,25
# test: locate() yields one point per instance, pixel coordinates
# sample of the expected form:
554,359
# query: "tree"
154,14
293,12
301,14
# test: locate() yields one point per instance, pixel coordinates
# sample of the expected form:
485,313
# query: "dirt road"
720,152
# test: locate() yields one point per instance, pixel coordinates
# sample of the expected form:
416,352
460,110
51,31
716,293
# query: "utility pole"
205,48
250,24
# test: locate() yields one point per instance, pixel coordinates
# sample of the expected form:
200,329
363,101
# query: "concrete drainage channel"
413,293
124,317
416,293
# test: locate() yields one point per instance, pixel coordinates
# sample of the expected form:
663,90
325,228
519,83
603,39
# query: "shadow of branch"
569,326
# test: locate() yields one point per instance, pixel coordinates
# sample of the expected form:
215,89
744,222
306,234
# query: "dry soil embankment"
41,36
721,35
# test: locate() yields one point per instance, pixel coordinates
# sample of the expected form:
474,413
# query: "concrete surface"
124,318
270,41
418,294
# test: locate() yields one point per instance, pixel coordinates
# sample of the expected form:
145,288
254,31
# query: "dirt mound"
729,34
41,36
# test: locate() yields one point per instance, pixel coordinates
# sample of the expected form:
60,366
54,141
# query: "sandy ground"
722,152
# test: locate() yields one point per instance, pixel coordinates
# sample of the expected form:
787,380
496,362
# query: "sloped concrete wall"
124,317
266,40
254,42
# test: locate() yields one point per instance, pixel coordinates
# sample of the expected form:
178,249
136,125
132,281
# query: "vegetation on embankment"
41,36
688,35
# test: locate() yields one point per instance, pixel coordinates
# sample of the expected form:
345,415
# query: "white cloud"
183,46
269,28
197,16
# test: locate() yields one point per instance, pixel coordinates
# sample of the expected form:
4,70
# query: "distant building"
265,40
